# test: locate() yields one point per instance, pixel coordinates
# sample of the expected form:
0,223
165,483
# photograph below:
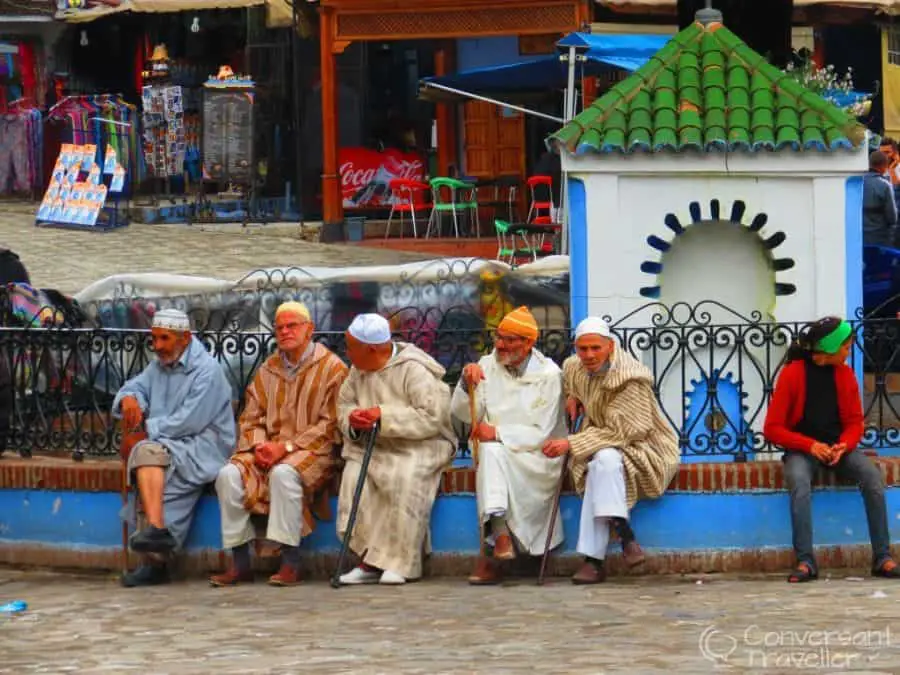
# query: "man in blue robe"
179,409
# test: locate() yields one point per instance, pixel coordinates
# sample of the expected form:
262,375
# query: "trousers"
799,469
604,498
13,155
285,506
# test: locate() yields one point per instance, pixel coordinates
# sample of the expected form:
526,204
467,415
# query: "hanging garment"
14,173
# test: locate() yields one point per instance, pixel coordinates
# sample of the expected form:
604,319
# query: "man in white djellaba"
519,407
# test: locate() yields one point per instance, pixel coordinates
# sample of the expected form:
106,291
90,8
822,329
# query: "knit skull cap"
172,319
293,307
520,322
370,329
593,325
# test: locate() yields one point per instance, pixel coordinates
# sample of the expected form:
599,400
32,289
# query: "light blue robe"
187,409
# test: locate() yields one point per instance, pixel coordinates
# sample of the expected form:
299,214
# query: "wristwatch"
289,447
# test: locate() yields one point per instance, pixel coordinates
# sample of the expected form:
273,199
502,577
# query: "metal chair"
535,185
404,193
463,197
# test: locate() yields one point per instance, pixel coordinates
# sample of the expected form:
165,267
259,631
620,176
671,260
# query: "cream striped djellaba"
621,411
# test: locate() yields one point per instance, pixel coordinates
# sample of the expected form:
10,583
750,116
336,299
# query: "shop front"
27,37
194,101
481,142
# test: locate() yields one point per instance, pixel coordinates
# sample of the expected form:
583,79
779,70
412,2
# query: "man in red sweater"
817,417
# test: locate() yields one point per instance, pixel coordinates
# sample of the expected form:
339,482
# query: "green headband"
831,343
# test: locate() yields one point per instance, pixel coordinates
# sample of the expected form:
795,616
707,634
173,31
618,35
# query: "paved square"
69,260
632,625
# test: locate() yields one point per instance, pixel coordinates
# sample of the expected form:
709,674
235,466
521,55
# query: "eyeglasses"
294,325
508,339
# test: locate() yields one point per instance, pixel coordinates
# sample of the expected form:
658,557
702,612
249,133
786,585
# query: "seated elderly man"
178,410
519,406
400,386
286,449
624,450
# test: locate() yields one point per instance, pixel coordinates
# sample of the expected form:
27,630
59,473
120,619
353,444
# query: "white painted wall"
803,196
693,268
624,210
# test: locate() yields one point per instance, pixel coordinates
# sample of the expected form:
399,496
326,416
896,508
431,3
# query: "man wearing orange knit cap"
518,407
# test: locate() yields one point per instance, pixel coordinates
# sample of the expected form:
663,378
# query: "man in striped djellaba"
286,453
625,449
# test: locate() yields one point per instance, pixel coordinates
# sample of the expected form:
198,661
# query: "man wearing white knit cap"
625,449
178,432
402,388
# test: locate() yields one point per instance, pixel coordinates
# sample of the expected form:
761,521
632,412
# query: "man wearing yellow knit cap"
518,407
286,448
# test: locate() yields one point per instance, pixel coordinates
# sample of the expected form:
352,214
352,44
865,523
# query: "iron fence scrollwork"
714,371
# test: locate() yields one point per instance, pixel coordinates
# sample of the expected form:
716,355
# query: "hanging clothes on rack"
21,150
21,72
102,120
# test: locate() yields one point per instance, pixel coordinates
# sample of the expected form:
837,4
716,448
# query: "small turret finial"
708,15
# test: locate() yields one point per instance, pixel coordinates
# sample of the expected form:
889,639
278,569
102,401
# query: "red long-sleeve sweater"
788,399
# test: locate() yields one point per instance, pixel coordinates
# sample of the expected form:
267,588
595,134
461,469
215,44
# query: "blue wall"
677,522
578,250
488,51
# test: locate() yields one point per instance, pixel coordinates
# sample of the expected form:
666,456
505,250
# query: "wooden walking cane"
125,518
129,440
354,507
473,410
559,486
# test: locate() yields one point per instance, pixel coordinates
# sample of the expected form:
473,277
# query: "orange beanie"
520,322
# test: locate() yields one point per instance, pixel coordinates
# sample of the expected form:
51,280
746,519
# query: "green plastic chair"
463,197
506,240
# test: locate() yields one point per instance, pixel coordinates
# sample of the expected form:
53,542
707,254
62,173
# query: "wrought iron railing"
714,371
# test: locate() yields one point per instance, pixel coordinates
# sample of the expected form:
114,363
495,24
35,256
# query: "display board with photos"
79,188
164,138
228,135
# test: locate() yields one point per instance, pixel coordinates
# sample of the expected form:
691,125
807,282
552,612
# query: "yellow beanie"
520,322
293,307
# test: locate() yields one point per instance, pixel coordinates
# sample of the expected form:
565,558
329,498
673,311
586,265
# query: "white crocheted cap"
172,319
370,329
593,325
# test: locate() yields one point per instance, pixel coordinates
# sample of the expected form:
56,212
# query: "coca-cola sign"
366,175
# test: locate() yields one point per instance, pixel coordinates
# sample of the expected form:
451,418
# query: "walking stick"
476,442
125,517
130,438
559,486
354,507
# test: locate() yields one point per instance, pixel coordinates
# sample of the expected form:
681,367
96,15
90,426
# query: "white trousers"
519,486
604,498
285,507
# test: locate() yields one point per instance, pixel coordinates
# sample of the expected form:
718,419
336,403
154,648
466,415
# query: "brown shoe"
232,577
633,554
286,576
590,573
486,573
503,548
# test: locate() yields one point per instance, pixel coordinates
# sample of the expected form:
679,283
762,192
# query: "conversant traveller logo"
761,648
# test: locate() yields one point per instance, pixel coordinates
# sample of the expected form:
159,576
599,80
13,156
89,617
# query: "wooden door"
494,141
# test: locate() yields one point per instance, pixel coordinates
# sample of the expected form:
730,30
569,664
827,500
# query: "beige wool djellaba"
415,444
621,411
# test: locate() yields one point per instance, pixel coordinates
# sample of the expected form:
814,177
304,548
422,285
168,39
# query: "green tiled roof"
707,90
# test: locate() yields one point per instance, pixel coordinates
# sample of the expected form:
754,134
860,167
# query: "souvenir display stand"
84,194
227,150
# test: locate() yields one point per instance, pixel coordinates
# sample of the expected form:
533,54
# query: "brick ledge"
105,475
321,565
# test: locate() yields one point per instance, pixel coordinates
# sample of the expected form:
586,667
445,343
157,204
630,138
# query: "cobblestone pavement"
661,625
69,260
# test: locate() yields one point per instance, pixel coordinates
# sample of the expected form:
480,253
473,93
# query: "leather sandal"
803,573
889,569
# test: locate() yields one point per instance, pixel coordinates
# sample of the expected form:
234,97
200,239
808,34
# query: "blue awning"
542,73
